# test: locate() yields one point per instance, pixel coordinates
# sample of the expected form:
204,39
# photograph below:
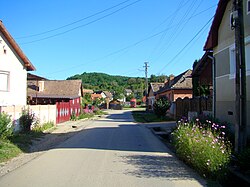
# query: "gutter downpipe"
214,84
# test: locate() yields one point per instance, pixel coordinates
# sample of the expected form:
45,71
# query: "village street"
112,151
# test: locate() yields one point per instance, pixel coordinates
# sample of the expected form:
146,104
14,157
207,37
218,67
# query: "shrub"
73,116
85,115
43,127
26,120
161,106
6,128
204,148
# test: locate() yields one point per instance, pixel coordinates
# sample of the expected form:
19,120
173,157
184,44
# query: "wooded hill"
114,83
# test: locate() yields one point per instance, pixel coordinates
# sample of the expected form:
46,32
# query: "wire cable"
72,23
171,61
86,24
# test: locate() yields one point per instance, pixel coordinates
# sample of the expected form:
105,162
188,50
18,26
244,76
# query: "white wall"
12,64
43,113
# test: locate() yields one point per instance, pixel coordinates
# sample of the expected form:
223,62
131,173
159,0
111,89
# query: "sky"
63,38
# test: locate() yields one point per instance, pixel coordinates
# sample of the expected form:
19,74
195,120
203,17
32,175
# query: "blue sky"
63,38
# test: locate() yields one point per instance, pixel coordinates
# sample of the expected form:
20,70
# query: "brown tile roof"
17,49
108,94
212,39
34,77
56,89
182,81
96,96
156,86
87,91
202,64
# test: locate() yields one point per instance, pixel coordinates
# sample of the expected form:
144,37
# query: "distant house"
95,96
221,41
177,87
105,95
128,92
52,91
66,94
13,71
202,76
35,77
87,91
152,91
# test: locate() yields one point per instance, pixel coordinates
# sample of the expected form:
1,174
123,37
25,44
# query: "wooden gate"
62,112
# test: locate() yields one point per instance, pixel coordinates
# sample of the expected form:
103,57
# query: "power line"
127,47
72,23
98,19
186,45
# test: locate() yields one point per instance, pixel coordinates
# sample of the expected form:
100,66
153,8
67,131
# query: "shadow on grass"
146,117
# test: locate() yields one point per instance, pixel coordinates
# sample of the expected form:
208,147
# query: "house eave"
212,39
29,66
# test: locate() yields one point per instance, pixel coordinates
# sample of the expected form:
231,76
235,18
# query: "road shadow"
164,166
121,138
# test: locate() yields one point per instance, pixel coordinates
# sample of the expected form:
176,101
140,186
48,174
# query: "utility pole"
146,77
240,77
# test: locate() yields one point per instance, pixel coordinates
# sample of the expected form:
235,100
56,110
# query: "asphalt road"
112,151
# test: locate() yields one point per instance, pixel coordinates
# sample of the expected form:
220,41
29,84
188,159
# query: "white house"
13,70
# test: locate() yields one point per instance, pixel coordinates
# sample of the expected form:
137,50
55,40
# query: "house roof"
34,77
108,94
212,39
128,90
17,49
156,86
182,81
56,89
87,91
202,64
96,96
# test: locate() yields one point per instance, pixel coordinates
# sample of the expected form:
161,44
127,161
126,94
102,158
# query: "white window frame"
7,84
233,60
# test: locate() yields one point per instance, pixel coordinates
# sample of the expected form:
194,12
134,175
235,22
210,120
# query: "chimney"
41,86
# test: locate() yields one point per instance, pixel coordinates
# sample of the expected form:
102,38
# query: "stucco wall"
225,83
13,65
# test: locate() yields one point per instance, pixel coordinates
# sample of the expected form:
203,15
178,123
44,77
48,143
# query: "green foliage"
205,149
6,128
161,106
86,99
85,116
73,116
145,117
43,127
8,150
160,78
26,120
129,97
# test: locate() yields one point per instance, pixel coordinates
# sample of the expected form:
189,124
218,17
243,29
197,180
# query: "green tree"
161,106
86,99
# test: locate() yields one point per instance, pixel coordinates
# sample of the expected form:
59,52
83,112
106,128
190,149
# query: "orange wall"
174,94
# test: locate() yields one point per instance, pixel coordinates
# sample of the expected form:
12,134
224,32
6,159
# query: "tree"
161,106
86,99
195,81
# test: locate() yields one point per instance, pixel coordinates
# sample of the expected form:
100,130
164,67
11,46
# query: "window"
248,7
233,60
4,81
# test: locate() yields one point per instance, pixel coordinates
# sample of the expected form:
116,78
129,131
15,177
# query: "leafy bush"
6,128
44,126
26,120
161,106
204,148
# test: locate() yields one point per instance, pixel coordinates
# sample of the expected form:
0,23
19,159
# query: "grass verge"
8,150
146,117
